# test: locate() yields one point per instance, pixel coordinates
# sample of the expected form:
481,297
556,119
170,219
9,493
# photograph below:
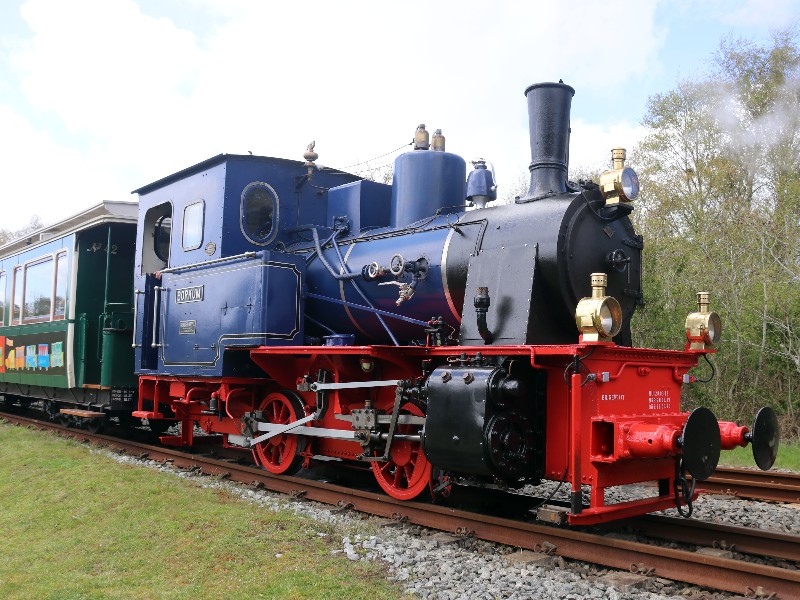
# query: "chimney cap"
544,84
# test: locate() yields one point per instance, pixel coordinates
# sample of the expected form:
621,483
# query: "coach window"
193,226
16,294
259,213
60,308
38,294
2,298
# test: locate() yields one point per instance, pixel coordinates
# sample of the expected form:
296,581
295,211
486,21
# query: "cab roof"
217,160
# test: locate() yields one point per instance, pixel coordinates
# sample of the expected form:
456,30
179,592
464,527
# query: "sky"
100,97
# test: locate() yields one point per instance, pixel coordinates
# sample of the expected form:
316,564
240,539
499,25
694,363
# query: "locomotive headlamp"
703,328
620,184
598,318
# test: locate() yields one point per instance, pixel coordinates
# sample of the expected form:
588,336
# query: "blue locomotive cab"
212,275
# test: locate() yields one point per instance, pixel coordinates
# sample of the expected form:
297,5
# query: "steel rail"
756,485
719,573
759,542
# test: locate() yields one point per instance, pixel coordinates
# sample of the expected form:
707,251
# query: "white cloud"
768,13
592,143
43,177
102,66
139,97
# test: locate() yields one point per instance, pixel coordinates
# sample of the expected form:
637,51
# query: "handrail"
156,303
135,315
375,311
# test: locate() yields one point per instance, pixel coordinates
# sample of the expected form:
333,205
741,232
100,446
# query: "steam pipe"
482,302
334,274
361,293
313,254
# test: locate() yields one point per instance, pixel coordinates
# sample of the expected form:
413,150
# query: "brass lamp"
620,184
703,328
598,318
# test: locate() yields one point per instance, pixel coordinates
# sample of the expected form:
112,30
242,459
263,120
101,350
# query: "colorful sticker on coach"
57,355
43,358
30,356
38,352
10,362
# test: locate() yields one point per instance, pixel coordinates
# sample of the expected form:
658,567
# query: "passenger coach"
66,314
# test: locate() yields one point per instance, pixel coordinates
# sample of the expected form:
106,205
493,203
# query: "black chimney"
548,122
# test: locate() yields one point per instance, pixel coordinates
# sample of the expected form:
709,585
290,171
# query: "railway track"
754,485
716,572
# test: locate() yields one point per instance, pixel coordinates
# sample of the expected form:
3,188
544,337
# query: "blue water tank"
424,182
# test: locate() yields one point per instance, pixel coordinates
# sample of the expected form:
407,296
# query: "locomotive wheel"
281,454
407,473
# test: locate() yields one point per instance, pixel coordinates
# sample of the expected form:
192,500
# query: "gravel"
433,565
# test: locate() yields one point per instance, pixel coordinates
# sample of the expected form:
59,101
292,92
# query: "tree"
720,171
9,235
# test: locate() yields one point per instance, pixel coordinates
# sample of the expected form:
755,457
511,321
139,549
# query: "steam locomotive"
305,314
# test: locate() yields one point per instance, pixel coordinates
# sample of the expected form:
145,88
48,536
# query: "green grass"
78,525
788,457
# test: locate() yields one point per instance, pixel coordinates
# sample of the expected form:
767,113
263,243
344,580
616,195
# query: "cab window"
157,238
193,226
259,213
161,238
